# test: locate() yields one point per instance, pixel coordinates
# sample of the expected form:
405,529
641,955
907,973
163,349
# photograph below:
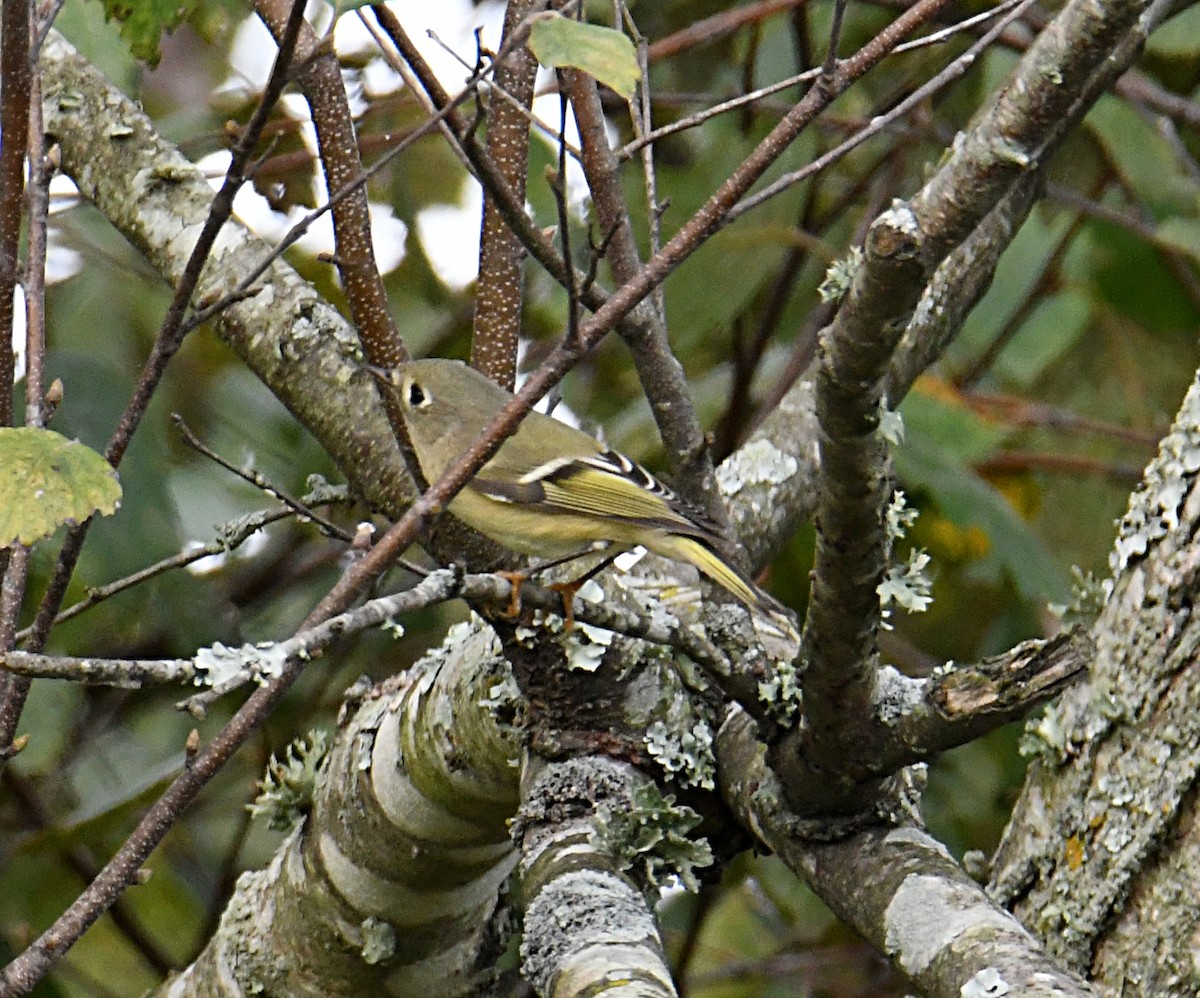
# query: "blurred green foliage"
1021,447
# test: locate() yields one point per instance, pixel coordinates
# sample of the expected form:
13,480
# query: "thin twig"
258,662
260,481
755,96
1026,412
954,71
173,328
232,536
1018,462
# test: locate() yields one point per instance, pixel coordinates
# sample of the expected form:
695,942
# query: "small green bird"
551,490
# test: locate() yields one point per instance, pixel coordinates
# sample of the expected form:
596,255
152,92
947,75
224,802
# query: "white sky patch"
61,261
252,546
450,236
64,195
388,233
454,23
379,79
250,57
562,412
18,333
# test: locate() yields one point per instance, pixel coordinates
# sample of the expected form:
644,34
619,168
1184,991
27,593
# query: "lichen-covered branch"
224,669
1011,140
1105,829
855,483
594,833
961,702
898,887
956,287
390,883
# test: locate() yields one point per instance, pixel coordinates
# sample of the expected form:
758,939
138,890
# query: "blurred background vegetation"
1021,445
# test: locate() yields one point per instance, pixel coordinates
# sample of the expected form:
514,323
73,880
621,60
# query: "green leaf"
1147,163
1178,38
144,21
47,480
604,53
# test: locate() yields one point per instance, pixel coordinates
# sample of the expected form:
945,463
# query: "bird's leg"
567,590
518,577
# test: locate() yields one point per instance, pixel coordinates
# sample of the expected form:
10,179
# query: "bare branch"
497,324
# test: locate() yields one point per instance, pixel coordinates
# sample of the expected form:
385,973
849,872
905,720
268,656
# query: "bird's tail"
766,608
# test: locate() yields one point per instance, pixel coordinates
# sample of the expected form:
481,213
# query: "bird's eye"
417,397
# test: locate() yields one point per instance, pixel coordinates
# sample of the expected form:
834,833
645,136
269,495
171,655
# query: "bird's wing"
606,485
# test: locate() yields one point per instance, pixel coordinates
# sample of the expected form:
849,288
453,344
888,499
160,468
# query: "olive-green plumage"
551,490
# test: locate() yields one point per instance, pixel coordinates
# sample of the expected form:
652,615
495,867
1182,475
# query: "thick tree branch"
497,324
1080,861
959,703
1019,129
898,887
404,840
587,923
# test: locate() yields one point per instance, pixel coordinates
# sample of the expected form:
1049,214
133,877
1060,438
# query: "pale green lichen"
759,462
321,492
503,694
891,427
986,983
781,691
378,940
907,586
840,276
899,517
1045,736
1087,599
651,839
686,754
679,729
583,656
220,664
285,792
585,646
1154,508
